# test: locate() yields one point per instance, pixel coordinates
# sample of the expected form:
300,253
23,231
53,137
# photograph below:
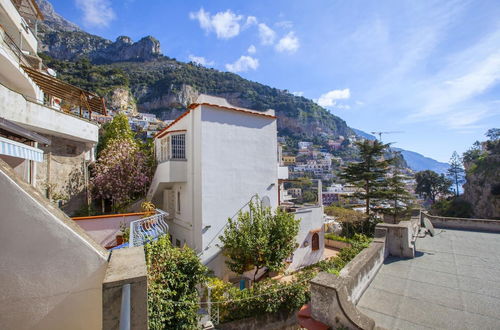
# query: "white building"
212,160
31,97
304,145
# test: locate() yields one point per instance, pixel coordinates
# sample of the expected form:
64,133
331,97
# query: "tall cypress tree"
369,175
396,193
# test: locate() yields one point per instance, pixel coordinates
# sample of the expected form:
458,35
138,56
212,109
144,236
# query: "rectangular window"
177,243
178,210
178,146
163,155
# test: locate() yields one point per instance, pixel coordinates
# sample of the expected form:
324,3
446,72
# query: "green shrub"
334,237
266,296
173,275
452,207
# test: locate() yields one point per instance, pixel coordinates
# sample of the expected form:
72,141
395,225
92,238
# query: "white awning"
20,150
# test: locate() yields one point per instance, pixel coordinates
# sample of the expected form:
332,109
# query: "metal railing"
141,232
15,50
148,229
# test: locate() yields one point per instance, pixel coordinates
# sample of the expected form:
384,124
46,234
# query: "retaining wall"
463,223
334,298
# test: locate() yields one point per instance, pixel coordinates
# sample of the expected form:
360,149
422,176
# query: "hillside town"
210,212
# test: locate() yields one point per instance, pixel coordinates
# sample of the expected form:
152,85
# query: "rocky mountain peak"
64,40
54,21
124,40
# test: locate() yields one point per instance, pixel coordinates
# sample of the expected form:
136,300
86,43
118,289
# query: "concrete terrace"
452,283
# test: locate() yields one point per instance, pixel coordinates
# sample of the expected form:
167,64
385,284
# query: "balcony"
11,59
42,119
170,171
20,23
174,170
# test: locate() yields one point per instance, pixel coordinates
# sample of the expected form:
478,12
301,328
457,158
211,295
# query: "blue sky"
430,69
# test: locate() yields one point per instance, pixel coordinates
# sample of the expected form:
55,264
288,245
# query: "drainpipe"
192,183
125,308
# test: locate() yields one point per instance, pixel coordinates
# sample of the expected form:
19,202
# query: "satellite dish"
265,202
429,227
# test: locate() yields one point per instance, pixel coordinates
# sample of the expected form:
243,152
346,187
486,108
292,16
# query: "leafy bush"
366,227
259,238
267,296
452,207
334,265
173,275
334,237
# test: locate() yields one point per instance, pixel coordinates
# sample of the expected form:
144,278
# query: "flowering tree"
121,172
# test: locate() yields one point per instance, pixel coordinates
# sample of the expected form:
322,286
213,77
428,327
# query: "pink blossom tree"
121,173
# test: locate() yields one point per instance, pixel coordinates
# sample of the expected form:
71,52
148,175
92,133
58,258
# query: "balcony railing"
148,229
20,57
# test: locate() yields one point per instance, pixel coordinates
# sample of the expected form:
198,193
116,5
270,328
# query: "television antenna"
380,134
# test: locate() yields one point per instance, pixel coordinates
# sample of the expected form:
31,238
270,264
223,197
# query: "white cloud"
266,34
330,99
298,93
96,13
452,97
289,43
252,49
251,20
225,24
200,60
244,63
284,24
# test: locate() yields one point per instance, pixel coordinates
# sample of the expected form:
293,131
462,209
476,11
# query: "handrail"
14,48
220,231
146,229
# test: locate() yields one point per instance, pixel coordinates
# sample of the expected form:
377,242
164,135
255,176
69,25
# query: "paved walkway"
453,283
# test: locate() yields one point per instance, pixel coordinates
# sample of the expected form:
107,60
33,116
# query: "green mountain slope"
164,86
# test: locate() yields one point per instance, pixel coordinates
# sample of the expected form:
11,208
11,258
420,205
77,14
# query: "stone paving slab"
452,283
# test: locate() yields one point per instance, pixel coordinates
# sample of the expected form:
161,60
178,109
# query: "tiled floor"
453,283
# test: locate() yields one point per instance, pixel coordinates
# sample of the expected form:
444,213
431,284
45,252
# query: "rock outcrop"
482,187
64,40
73,45
53,21
120,98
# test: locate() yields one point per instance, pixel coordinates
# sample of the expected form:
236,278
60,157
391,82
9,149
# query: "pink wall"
104,229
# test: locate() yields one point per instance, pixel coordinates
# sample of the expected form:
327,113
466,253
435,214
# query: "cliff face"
71,45
64,40
53,21
482,187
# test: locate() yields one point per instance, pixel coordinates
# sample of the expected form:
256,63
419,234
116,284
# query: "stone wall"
334,298
275,321
126,266
63,174
464,223
336,244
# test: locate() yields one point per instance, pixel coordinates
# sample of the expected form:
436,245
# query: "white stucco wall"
13,76
44,120
311,219
238,160
50,272
230,156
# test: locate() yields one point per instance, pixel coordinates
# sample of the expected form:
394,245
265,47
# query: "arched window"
315,242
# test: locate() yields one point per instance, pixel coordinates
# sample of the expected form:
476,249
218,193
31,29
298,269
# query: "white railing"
148,229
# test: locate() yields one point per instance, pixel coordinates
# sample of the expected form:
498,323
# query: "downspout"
192,184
